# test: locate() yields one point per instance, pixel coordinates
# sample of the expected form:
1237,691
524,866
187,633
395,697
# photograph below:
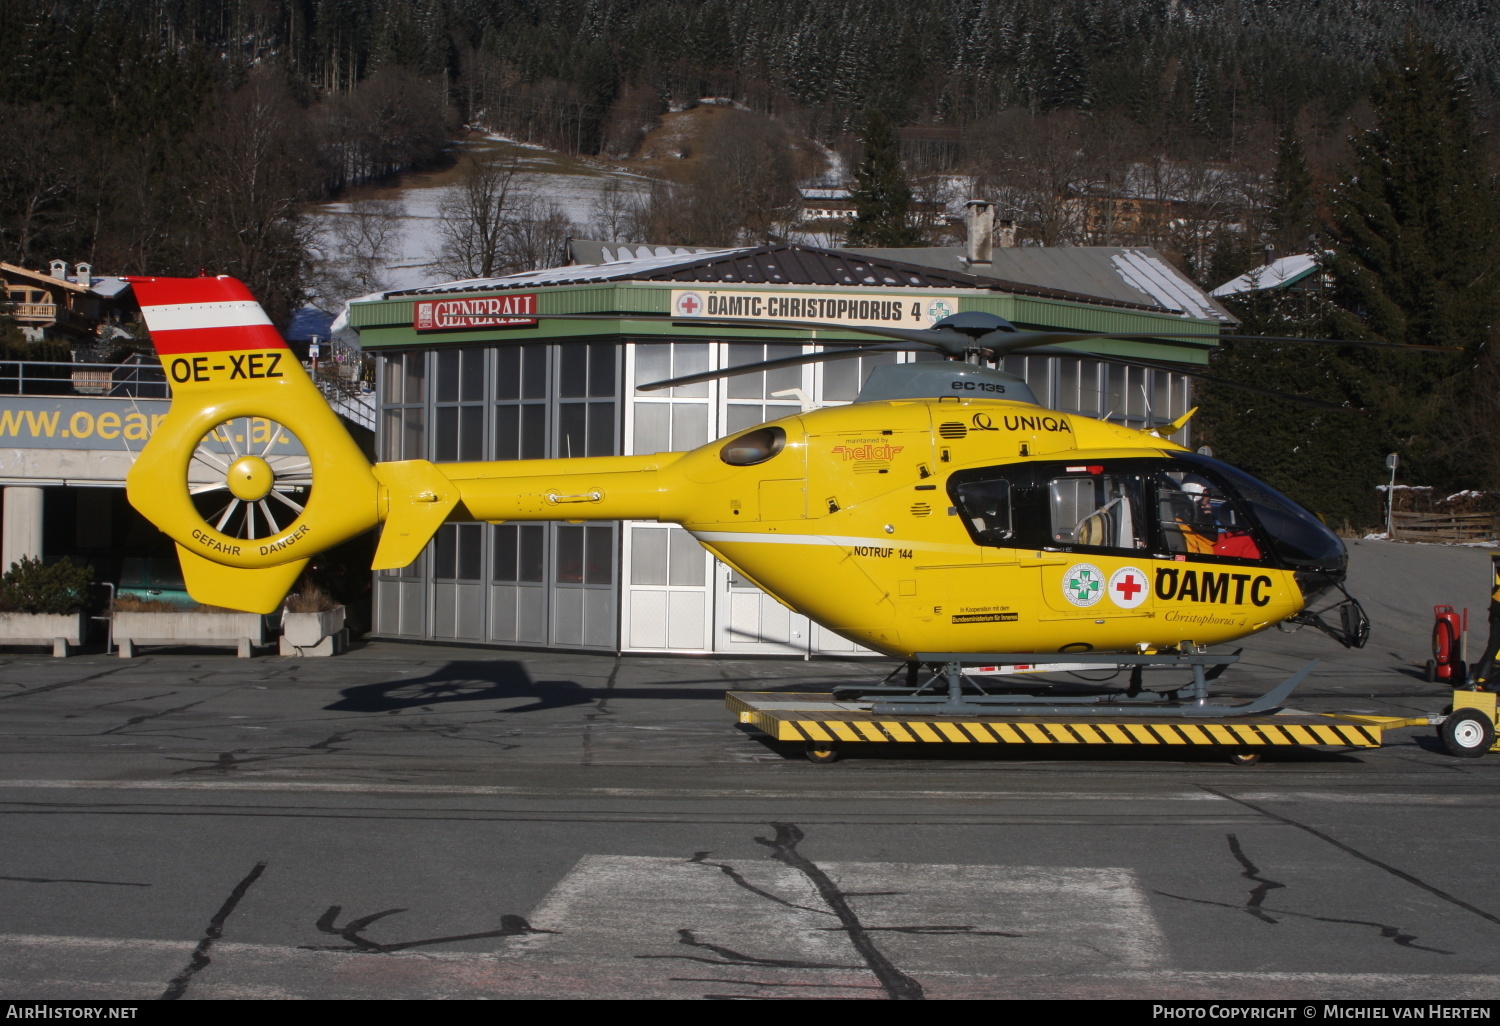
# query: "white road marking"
737,794
39,967
1355,798
924,918
470,790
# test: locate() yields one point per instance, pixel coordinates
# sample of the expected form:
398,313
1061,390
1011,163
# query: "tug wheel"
822,752
1467,733
1245,757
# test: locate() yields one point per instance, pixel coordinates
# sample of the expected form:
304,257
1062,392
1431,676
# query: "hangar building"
465,375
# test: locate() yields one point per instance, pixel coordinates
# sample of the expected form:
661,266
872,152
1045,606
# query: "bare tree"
1040,166
255,171
741,187
35,176
661,213
536,232
747,178
358,243
610,215
473,219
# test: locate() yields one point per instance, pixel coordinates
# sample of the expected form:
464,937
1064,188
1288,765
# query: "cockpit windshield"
1296,537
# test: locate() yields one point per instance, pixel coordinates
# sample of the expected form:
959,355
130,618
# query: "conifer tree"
1414,247
1416,260
1406,266
881,194
1292,203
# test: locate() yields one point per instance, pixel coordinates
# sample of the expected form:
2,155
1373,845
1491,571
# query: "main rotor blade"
1343,342
1317,404
1003,342
784,361
1000,342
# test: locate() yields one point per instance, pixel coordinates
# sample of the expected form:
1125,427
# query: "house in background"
1299,272
824,205
52,306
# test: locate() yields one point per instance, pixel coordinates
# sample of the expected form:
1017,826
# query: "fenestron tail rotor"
251,478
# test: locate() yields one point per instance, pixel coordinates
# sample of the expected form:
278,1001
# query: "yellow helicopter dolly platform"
828,722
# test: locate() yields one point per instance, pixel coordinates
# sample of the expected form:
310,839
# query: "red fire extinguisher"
1449,662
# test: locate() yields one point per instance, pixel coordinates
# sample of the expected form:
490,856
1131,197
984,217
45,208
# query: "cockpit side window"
986,508
1195,517
1098,510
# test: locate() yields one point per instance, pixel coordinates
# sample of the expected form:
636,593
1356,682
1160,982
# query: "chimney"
979,217
1270,254
60,270
84,275
1005,233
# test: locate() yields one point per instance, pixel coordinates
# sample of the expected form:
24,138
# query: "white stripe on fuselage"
241,313
840,541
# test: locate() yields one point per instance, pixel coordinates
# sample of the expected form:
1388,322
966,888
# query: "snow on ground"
575,187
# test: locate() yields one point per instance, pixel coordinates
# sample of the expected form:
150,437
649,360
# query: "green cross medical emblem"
1083,584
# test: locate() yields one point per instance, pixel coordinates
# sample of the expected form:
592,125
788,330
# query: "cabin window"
1097,510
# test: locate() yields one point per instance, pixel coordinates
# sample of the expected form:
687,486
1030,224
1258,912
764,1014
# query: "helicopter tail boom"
417,497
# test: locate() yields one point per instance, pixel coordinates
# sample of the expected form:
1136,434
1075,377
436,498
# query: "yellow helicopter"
944,511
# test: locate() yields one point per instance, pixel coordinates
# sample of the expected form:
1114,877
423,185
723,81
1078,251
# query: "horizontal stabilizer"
418,499
254,591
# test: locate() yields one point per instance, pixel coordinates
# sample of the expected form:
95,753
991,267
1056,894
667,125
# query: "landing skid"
950,691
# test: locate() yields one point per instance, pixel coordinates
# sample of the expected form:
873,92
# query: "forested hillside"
165,136
171,134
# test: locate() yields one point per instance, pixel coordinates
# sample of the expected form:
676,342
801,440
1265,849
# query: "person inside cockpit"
1208,524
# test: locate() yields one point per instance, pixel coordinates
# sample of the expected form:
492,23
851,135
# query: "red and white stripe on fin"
203,315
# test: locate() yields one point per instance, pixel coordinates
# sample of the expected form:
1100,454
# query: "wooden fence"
1444,527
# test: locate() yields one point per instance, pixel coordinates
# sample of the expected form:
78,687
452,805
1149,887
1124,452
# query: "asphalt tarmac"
419,822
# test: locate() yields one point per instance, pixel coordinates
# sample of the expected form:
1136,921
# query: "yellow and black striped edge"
806,726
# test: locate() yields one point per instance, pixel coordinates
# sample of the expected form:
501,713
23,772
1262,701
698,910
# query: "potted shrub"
312,623
152,622
43,604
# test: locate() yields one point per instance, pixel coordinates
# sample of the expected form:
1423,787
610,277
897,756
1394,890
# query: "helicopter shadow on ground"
463,681
498,680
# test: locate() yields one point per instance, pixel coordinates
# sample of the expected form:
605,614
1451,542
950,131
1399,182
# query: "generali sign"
469,314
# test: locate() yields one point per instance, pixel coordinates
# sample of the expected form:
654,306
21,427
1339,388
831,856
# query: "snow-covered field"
410,254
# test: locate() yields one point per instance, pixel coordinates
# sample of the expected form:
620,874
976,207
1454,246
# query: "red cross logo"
689,303
1128,587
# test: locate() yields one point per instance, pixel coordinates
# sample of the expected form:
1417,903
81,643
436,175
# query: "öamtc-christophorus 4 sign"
469,314
897,308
